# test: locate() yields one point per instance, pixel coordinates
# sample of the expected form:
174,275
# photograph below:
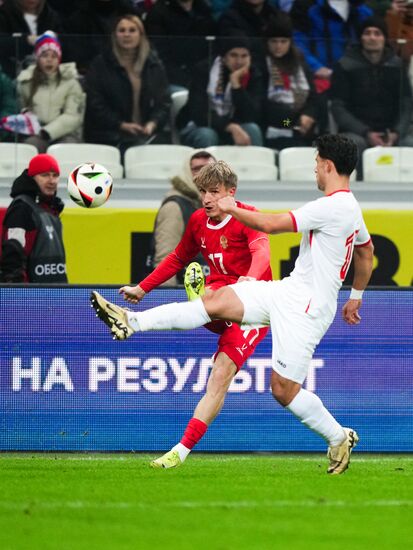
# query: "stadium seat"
153,170
297,163
388,164
14,158
237,154
178,101
155,161
69,155
250,163
255,172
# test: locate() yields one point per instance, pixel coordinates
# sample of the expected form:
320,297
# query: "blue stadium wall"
66,386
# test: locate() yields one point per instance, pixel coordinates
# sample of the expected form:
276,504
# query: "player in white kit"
299,308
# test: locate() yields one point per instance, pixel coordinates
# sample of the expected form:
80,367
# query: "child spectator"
51,91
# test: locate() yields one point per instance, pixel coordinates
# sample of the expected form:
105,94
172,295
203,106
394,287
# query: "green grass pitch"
213,502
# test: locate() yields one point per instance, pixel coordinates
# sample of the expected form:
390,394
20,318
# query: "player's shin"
309,408
179,316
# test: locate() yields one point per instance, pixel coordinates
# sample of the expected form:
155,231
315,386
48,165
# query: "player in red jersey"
234,253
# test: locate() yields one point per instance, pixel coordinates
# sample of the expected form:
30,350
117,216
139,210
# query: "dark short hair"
341,150
203,155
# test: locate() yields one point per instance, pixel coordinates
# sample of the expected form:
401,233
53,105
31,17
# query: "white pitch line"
242,504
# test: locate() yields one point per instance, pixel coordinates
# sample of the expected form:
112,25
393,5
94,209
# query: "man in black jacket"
32,244
178,29
371,94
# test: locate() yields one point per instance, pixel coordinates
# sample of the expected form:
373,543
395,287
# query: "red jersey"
230,248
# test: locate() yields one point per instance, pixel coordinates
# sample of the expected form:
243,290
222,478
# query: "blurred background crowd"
271,73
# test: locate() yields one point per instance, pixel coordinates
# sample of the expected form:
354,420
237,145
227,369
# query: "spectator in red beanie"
32,249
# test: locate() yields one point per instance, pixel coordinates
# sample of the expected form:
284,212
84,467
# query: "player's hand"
226,204
132,294
243,279
351,312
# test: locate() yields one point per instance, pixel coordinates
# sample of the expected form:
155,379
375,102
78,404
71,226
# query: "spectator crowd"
258,72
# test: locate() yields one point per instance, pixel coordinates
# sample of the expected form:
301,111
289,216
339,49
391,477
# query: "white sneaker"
339,456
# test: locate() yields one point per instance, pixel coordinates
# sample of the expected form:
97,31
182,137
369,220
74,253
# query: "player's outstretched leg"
113,316
339,456
194,281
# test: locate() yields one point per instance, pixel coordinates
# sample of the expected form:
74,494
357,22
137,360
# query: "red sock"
194,431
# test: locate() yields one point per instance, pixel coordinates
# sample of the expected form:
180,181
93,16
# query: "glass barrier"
382,116
176,124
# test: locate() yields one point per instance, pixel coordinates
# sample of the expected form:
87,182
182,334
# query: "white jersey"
331,227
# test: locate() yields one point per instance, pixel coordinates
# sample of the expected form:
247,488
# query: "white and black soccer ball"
89,185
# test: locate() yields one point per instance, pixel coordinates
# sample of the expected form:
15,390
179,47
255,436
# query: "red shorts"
237,343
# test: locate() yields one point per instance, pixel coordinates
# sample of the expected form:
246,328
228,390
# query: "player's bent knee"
214,303
283,390
224,304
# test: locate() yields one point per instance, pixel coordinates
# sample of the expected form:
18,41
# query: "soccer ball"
89,185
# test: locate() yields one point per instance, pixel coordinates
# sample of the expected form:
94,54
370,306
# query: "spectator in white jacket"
51,91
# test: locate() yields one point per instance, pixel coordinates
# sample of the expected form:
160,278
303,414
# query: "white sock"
310,410
182,451
184,316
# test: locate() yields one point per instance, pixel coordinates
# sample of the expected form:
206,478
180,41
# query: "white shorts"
294,333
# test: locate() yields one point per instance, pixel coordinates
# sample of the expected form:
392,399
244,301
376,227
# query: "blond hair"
214,174
142,51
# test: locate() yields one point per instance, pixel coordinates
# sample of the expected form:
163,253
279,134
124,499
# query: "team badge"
223,242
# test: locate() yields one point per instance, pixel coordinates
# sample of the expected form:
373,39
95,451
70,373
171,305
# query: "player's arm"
363,266
169,266
260,258
268,223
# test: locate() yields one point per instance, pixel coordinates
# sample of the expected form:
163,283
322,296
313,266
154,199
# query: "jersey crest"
223,241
